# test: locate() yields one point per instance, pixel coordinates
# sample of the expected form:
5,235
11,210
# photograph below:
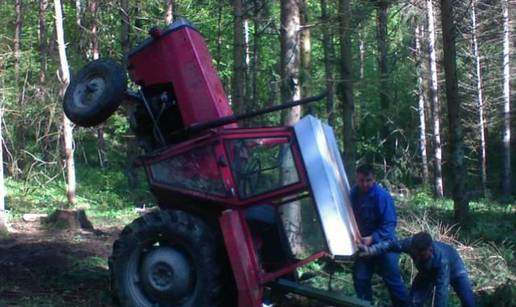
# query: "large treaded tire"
180,235
95,92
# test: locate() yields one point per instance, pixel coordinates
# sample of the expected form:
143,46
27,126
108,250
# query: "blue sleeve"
387,215
442,284
400,246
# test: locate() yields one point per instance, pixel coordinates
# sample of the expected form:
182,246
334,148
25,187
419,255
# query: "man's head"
365,177
421,246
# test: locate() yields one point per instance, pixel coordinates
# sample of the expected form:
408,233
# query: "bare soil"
55,267
42,266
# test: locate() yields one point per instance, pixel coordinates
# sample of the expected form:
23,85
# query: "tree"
436,112
480,98
290,58
42,39
169,12
345,87
506,177
239,67
457,169
67,125
17,39
421,105
328,61
381,39
305,50
3,216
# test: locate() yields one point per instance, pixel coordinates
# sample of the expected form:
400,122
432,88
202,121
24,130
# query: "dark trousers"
387,266
423,289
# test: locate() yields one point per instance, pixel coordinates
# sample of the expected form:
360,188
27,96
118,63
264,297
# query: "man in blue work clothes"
439,265
376,218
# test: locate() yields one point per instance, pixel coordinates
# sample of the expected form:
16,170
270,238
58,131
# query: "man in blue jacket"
376,218
438,264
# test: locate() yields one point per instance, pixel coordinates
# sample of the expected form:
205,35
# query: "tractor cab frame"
240,208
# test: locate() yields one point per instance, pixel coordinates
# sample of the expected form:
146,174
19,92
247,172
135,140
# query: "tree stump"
70,219
3,224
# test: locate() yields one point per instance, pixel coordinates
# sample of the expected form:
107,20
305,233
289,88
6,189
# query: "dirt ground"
49,267
61,267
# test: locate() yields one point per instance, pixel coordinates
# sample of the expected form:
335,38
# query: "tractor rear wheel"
95,93
167,258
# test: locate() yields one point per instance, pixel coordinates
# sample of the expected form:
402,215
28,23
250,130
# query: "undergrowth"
487,246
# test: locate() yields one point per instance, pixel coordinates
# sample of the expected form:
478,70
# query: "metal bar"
318,294
268,277
234,118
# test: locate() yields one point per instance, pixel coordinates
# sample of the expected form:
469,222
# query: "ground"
43,266
55,267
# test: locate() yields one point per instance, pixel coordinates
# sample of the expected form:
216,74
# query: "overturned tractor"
240,208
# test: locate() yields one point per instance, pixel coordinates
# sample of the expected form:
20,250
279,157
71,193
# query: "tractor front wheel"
95,93
167,258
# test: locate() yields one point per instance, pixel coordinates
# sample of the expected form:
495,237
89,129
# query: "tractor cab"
240,208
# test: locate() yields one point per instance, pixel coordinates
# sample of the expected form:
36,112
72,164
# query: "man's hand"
367,240
363,250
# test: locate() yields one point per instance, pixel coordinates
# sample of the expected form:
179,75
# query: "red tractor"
240,208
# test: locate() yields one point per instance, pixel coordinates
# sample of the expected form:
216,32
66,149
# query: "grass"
487,247
487,244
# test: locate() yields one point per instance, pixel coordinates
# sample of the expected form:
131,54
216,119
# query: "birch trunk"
169,13
480,98
506,177
346,86
436,113
3,216
67,126
421,106
306,50
17,39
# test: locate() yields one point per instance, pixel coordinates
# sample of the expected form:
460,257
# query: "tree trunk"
328,61
290,90
238,82
169,13
346,87
458,170
3,215
506,177
434,96
131,143
481,124
361,50
17,39
381,39
218,55
101,144
421,106
306,51
42,40
2,185
67,126
125,41
290,57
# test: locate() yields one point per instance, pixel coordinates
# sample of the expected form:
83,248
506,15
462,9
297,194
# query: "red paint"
180,57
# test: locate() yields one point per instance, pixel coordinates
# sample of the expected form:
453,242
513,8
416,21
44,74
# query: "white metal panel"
329,185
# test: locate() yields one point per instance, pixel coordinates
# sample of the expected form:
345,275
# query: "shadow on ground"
42,267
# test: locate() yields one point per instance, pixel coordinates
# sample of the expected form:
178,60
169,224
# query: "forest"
422,90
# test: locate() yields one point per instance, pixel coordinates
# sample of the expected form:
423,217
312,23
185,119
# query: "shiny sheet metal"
329,185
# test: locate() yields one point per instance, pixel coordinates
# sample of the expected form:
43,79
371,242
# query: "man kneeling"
439,265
